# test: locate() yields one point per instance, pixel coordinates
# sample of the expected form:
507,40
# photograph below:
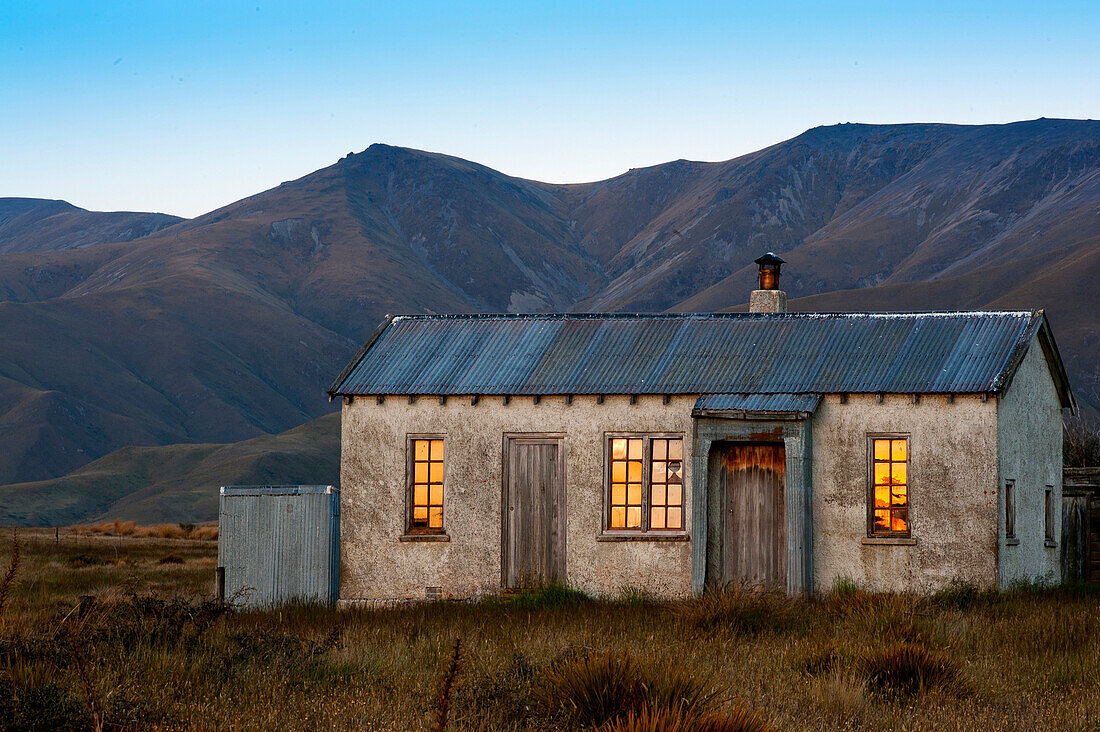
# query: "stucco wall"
377,565
952,492
1030,453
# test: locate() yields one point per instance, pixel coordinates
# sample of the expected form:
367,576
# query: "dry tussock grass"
201,532
157,655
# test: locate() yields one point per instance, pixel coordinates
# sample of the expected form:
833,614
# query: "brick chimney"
769,298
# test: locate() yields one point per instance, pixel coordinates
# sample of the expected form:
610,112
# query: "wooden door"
754,526
534,512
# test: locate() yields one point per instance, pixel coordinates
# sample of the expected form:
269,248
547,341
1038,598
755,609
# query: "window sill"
888,541
424,537
1012,542
644,537
1050,544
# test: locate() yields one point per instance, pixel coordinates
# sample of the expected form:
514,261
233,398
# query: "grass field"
152,652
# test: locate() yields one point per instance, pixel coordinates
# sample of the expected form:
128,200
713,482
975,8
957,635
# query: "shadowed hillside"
37,225
229,326
176,482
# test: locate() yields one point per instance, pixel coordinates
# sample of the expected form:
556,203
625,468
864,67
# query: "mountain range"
186,336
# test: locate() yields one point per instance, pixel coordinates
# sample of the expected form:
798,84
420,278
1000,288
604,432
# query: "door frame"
724,508
558,438
796,432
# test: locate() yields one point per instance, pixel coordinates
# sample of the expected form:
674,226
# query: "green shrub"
550,596
906,669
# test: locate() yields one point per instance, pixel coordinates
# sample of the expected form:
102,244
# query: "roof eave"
1038,328
336,389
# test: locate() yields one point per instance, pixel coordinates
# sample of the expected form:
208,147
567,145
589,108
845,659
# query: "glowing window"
889,496
646,483
426,485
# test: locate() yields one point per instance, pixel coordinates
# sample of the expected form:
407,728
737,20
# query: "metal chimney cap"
770,258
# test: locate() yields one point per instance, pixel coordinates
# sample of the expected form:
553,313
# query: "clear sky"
185,106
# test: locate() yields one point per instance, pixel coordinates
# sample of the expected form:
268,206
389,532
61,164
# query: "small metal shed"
278,543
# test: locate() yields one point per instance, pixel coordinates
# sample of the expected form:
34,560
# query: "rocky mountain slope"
230,326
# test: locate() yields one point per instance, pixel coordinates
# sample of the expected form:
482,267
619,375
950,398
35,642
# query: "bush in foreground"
906,669
603,686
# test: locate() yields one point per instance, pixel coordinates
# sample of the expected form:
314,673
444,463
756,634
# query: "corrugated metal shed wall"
279,543
952,352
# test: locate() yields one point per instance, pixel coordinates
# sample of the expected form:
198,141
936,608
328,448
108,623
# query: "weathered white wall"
377,565
952,493
1030,452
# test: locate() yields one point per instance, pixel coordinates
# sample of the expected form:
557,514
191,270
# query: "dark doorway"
749,516
534,512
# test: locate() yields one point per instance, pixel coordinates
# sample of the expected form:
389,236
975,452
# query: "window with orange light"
645,483
426,485
888,510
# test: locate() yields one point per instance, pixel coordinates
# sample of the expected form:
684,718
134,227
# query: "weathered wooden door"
534,512
754,525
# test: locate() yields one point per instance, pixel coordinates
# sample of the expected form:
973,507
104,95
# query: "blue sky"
186,106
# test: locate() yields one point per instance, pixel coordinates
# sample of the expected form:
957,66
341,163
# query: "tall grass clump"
907,669
600,687
743,611
656,719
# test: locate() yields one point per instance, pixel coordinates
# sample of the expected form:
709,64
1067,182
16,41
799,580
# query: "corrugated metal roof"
758,403
720,353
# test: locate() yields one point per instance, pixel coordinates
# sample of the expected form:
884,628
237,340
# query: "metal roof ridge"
716,315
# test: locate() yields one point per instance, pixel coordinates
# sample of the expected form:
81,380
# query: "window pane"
882,473
420,472
435,495
618,449
420,515
435,518
657,519
634,518
882,449
900,450
618,518
660,449
634,470
618,494
659,474
882,496
899,474
900,522
675,518
675,495
437,449
882,520
634,449
436,473
634,494
674,472
676,449
420,495
657,495
420,449
618,471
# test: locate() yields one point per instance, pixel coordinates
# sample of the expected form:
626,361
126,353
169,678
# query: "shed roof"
686,353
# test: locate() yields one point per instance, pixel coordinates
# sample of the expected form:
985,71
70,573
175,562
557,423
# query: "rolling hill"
229,326
37,225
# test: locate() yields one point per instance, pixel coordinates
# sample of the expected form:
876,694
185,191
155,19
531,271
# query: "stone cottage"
670,453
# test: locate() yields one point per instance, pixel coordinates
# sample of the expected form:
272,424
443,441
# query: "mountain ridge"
229,326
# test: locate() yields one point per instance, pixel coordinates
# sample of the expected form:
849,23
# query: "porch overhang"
768,407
